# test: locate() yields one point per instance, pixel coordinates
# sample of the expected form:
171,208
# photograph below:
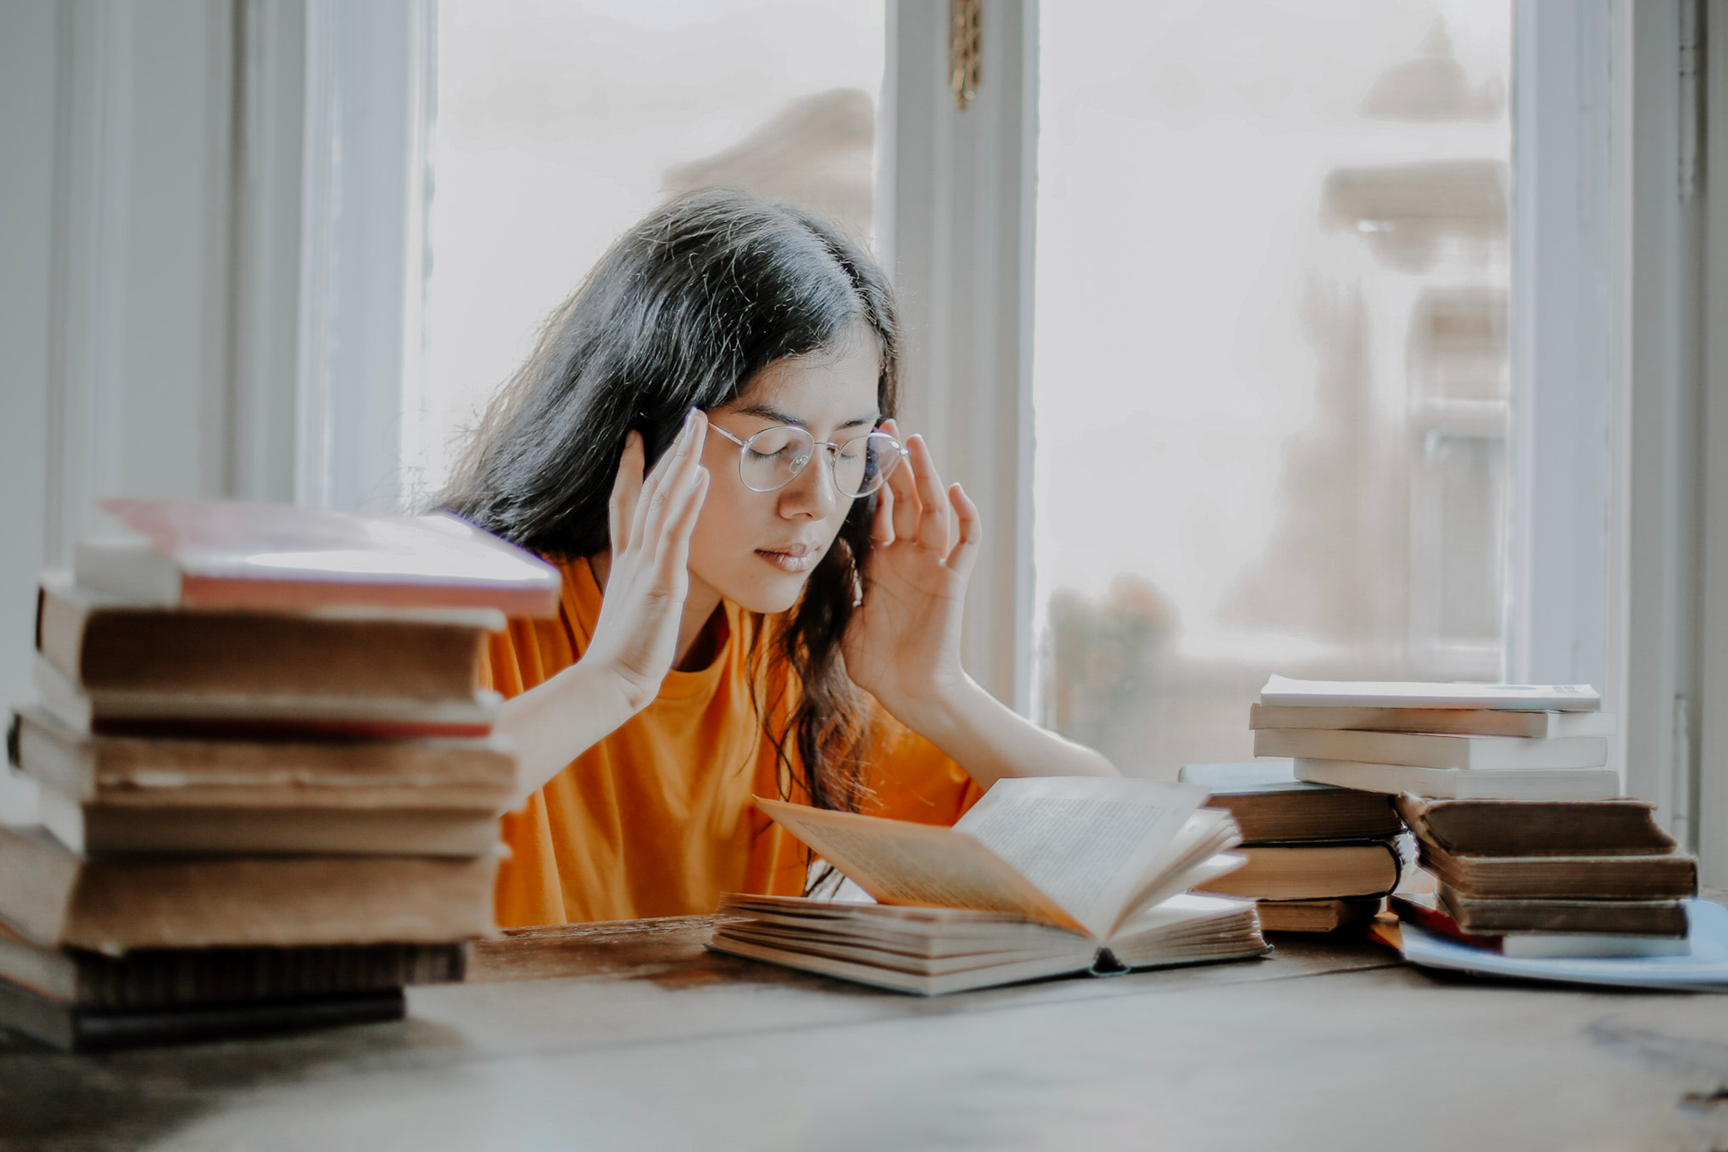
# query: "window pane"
562,122
1271,365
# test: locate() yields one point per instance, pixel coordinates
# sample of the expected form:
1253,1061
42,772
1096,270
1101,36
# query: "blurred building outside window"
1271,368
560,123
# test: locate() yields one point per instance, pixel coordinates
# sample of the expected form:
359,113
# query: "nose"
812,492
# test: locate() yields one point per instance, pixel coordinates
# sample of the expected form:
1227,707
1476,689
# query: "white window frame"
1618,524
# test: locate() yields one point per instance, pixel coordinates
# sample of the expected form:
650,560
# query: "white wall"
116,122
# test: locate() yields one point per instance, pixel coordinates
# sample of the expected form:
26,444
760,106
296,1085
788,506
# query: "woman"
762,586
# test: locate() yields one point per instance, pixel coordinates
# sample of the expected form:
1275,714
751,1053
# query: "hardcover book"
1396,694
1621,827
235,554
1457,721
1464,783
1269,803
1041,877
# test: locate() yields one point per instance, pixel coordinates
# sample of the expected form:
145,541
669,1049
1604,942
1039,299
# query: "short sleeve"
912,779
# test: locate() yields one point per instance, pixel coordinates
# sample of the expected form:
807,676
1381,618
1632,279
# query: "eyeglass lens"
772,457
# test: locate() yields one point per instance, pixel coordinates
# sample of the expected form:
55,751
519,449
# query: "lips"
792,558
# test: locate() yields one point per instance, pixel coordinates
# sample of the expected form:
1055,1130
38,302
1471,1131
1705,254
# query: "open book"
1044,876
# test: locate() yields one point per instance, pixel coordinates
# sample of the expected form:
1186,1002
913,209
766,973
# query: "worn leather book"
240,714
171,977
1426,911
75,1029
1619,827
101,644
1493,916
474,775
1315,915
235,554
1042,877
1670,877
1311,871
1269,803
60,899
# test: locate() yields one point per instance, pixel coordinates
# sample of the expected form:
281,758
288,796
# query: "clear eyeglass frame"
770,471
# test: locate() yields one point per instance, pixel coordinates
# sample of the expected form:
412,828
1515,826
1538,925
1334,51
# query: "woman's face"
757,549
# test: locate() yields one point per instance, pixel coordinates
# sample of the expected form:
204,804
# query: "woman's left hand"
903,643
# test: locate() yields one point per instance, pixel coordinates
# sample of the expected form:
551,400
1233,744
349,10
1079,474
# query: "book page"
903,863
1091,843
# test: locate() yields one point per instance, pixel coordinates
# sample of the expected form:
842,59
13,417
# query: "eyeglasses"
771,459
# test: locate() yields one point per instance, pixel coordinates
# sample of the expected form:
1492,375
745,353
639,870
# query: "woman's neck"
701,632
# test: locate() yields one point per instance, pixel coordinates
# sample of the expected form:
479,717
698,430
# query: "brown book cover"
1670,877
1495,916
99,829
1623,827
1315,915
131,771
169,977
74,1029
62,900
1311,871
102,644
1458,721
1270,804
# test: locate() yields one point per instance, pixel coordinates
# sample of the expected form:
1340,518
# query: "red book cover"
236,554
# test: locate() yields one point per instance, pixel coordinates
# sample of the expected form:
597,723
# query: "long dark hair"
682,312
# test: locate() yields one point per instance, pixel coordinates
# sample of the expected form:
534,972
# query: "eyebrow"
770,413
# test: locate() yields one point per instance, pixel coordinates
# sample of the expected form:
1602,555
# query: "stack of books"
1499,741
1319,857
1550,878
268,787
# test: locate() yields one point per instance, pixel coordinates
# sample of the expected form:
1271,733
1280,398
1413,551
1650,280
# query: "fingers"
905,502
965,553
934,528
673,475
626,491
882,522
673,561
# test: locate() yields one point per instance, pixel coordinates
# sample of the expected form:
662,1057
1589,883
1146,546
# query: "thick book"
150,712
1269,803
62,900
1704,967
101,829
102,644
234,554
1311,871
1670,877
1621,827
1491,916
1426,912
1405,694
76,1029
1456,721
935,951
1316,915
1089,857
1432,750
473,775
1464,783
174,977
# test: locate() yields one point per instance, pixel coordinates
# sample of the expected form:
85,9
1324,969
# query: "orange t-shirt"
656,819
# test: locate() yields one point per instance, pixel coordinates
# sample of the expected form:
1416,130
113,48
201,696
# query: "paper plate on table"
1705,969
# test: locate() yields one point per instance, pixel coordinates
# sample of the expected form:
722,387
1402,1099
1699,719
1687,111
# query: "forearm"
550,725
990,740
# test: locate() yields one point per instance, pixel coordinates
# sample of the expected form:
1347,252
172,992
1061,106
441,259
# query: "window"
560,124
1271,371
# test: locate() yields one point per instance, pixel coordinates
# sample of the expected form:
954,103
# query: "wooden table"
659,1044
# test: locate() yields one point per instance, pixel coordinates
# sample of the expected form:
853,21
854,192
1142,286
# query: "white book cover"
1409,694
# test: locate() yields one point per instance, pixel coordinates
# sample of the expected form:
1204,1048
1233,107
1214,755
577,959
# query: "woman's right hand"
636,636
